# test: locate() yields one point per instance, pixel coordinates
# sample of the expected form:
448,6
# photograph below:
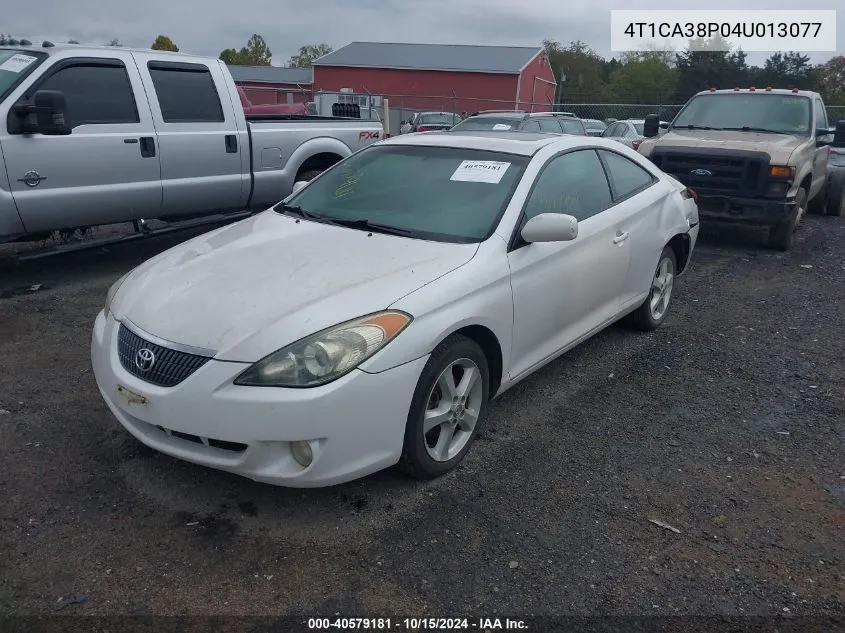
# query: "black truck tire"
836,192
818,204
781,235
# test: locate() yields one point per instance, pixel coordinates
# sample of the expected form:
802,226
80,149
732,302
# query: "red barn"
444,77
273,84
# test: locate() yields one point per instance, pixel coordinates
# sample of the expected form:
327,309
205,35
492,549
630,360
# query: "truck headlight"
113,291
327,355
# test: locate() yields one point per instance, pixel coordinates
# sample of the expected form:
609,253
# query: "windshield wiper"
696,127
298,212
373,227
746,128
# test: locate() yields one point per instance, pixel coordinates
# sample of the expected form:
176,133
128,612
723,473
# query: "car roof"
770,91
522,143
82,49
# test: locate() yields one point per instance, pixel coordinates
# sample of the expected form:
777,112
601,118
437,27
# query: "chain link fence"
403,107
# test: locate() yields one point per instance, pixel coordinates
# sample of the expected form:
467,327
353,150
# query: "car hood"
252,287
778,146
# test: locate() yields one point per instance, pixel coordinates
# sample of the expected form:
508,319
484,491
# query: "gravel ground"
726,424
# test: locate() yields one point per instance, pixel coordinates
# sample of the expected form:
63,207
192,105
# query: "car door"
198,135
107,170
563,291
638,197
820,160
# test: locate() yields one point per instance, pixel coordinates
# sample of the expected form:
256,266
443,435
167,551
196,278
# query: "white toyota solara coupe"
368,319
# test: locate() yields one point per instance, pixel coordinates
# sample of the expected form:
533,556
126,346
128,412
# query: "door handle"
231,144
148,146
621,236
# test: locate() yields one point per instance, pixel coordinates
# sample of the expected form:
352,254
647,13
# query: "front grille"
168,368
732,173
233,447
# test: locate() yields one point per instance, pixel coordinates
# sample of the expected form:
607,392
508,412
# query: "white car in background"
369,318
628,132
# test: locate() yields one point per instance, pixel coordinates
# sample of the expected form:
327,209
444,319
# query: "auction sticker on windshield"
17,63
499,127
480,171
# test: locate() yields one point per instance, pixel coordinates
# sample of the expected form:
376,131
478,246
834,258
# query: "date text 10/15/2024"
417,624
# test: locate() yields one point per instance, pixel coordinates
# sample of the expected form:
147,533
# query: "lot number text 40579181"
417,624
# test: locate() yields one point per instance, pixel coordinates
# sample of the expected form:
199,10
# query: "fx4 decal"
366,136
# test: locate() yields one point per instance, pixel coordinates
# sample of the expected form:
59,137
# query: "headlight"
326,356
113,291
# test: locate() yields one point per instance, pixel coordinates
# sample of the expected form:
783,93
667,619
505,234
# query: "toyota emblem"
144,359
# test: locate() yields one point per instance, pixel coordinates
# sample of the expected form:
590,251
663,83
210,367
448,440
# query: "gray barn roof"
450,57
272,74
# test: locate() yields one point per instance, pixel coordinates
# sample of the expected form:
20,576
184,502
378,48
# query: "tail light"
635,144
835,152
690,193
424,128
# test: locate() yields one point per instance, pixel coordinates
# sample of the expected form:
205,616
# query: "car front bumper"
355,425
752,211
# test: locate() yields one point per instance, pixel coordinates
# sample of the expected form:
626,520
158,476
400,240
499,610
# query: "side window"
186,93
626,176
611,130
574,184
821,115
549,124
530,126
95,94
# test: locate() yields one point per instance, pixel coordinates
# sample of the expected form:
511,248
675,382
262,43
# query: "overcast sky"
208,26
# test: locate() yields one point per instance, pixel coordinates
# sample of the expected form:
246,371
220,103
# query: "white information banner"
758,31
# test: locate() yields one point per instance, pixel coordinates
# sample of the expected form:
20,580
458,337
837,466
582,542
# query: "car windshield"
482,123
14,65
440,118
571,126
640,128
436,193
782,114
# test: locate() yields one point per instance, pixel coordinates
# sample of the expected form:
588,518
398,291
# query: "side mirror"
550,227
45,115
839,134
664,125
651,126
299,184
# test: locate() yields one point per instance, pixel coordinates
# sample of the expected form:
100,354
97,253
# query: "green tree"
231,57
164,43
72,41
831,81
785,70
643,80
255,53
578,69
709,63
114,42
307,54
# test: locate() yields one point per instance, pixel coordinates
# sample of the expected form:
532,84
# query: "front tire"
781,235
447,409
818,204
654,309
836,193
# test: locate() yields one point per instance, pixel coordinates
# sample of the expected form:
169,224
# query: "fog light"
302,453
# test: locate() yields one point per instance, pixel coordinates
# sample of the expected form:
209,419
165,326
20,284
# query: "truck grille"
165,368
731,173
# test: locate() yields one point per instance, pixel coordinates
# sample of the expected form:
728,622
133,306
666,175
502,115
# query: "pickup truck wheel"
308,176
836,193
781,235
818,204
447,409
654,309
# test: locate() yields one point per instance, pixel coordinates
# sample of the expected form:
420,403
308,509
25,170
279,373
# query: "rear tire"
308,176
654,309
781,236
836,193
451,399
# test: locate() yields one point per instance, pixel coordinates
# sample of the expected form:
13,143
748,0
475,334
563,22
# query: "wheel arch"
489,343
681,246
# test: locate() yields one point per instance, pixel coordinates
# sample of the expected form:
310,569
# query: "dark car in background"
520,121
429,122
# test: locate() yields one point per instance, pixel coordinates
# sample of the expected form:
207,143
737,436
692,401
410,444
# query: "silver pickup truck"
92,136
